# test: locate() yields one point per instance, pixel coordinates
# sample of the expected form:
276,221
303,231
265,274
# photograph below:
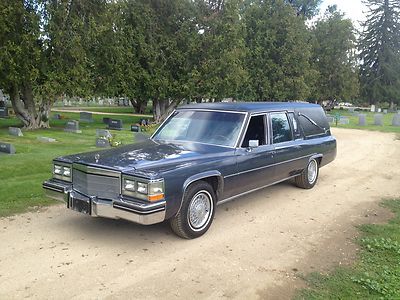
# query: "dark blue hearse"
201,156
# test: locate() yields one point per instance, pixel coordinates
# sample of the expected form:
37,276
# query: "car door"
289,155
254,164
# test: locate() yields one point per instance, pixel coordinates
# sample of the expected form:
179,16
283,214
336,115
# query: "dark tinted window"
281,131
295,125
255,131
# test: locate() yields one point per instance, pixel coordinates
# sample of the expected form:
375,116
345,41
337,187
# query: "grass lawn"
376,275
22,174
387,121
111,109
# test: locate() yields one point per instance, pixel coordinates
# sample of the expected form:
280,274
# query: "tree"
305,8
380,52
278,52
334,57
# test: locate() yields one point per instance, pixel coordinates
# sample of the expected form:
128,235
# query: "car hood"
148,157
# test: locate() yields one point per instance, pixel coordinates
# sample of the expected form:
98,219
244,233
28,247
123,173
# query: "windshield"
210,127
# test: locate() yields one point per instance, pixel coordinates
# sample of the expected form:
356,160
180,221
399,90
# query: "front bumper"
134,211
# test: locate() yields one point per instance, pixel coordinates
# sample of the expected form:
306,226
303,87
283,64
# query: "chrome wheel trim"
200,210
312,171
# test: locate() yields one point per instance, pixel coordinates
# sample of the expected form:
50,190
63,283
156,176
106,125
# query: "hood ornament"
97,157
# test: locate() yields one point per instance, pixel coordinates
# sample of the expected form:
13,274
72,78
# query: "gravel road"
254,249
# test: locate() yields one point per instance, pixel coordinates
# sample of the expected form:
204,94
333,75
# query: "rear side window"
281,131
295,126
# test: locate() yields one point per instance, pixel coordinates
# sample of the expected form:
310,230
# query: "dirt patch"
256,247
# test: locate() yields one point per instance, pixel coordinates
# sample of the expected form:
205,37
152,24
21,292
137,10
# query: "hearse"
201,156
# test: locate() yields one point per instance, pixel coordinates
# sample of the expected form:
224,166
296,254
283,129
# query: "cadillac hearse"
201,156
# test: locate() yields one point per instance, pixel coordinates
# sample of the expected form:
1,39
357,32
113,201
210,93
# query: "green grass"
110,109
387,121
22,174
376,275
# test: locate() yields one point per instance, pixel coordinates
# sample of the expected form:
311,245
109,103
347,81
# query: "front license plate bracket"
80,205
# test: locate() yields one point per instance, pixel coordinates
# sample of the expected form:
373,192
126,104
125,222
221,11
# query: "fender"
316,157
199,176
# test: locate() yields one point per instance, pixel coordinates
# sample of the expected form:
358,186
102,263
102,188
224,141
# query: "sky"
353,9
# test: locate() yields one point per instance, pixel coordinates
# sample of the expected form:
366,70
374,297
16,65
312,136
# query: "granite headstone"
15,131
362,120
7,148
115,124
72,126
396,120
378,119
86,116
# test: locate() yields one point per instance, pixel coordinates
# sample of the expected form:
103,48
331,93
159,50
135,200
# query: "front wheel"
197,211
309,177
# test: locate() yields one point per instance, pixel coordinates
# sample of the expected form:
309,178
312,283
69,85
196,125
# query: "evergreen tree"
380,52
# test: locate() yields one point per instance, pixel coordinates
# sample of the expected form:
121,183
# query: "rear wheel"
197,211
309,177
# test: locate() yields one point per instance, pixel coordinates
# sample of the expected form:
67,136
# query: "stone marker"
372,108
103,133
378,120
102,142
396,120
362,120
103,137
135,128
72,126
106,120
351,109
379,110
7,148
115,124
46,139
15,131
57,117
385,111
86,116
3,112
344,121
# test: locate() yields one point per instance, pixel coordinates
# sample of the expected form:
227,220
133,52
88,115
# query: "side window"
296,129
281,131
255,131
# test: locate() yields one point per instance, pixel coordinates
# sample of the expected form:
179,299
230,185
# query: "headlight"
143,189
62,172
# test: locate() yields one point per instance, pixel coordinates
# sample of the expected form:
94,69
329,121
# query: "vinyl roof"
249,106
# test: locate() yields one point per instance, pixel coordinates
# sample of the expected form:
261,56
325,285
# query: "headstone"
396,120
344,121
372,108
379,110
351,109
7,148
115,124
135,128
72,126
102,142
144,122
57,117
103,133
15,131
106,120
3,112
46,139
385,111
86,116
378,120
362,120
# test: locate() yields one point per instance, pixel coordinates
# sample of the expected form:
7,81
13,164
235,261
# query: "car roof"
252,107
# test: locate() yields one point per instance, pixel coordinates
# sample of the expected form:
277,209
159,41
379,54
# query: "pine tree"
380,52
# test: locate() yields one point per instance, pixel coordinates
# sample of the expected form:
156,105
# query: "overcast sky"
353,9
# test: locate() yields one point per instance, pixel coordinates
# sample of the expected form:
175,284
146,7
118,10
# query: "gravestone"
396,120
86,117
385,111
362,120
15,131
72,126
3,112
115,124
135,128
57,117
379,110
45,139
344,121
351,109
7,148
378,119
103,137
106,120
372,108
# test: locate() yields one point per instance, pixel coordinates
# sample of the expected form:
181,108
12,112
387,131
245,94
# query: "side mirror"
253,143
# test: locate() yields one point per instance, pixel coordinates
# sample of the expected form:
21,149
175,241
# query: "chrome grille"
102,186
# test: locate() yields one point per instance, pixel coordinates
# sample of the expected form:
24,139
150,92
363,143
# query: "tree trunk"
162,108
139,105
25,108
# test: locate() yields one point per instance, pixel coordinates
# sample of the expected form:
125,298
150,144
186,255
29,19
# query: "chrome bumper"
142,213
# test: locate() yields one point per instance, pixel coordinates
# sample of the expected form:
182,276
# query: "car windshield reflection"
209,127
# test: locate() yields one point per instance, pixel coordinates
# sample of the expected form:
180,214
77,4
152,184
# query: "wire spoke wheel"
199,210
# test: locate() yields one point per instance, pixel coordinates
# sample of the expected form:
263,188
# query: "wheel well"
214,182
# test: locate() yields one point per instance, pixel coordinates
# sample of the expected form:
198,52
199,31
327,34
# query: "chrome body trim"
96,171
253,190
269,166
